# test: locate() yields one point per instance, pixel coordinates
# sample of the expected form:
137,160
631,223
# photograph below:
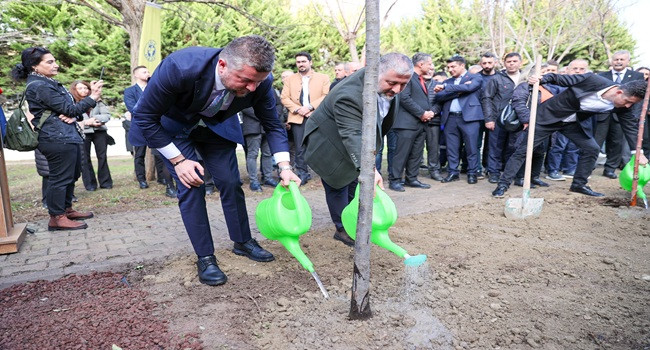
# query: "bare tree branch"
111,19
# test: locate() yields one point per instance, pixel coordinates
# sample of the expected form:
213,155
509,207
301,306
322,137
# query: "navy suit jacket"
131,96
468,97
180,88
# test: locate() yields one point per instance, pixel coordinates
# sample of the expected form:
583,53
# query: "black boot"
342,235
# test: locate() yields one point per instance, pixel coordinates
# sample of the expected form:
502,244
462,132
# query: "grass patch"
125,196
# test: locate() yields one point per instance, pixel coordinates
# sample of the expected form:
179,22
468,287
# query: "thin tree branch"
112,20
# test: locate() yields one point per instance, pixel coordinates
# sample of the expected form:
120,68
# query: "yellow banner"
150,44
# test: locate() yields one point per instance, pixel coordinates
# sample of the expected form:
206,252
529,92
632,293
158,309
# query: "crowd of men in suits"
452,114
202,102
455,115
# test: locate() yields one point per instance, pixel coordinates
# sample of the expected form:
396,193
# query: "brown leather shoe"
61,223
77,215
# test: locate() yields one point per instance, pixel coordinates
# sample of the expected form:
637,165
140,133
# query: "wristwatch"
285,167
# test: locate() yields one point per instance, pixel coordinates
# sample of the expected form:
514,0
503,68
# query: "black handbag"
508,119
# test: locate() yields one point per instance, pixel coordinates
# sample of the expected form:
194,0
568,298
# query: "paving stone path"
135,237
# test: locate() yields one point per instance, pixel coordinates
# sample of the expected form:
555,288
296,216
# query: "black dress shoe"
107,187
538,182
209,271
472,179
396,186
584,189
341,235
270,182
91,189
170,191
610,174
143,184
255,187
500,191
493,178
451,177
520,182
416,184
436,175
253,251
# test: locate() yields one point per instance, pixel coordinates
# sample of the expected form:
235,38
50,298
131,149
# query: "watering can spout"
384,215
293,246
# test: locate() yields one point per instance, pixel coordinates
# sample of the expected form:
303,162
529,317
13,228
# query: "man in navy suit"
131,96
208,86
586,94
461,117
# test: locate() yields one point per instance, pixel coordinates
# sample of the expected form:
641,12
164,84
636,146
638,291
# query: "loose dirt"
577,277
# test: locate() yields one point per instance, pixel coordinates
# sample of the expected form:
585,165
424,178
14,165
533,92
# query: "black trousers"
538,154
100,139
432,133
298,131
609,131
64,161
220,159
162,174
138,162
408,154
338,199
586,160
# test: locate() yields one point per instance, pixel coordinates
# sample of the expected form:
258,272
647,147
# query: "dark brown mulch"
91,311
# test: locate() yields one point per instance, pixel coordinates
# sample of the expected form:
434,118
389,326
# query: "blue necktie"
216,104
618,78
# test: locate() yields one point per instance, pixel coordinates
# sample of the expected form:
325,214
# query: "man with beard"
208,85
333,133
301,94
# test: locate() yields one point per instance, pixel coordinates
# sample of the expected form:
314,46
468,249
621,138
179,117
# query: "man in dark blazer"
608,128
586,94
255,144
207,85
461,117
131,96
333,132
413,113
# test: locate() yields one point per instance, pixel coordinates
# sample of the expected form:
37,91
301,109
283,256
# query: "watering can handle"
294,190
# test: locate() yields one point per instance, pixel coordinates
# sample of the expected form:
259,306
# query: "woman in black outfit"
60,137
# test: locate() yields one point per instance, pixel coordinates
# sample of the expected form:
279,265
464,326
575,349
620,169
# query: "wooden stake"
11,236
639,141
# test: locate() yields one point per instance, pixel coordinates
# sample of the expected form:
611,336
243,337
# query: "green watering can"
285,217
384,215
627,176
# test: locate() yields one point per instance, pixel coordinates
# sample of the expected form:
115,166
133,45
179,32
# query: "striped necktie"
216,104
618,78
